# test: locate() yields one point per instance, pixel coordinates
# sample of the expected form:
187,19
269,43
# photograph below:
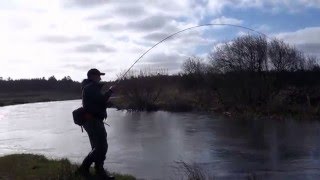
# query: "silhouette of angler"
94,102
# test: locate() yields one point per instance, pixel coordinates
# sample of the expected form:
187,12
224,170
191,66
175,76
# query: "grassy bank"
32,97
29,166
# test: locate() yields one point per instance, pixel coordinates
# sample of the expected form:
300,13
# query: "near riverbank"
30,166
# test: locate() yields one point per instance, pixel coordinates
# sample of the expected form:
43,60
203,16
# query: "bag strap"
82,91
82,95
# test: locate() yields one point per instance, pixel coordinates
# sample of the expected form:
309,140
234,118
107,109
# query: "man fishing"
94,101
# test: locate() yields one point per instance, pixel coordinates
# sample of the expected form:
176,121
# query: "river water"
151,145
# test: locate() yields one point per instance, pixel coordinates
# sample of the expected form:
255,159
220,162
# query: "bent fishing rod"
186,29
178,32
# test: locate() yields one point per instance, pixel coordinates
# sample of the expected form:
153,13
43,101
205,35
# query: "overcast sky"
41,38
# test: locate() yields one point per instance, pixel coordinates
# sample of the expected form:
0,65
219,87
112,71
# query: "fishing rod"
186,29
178,32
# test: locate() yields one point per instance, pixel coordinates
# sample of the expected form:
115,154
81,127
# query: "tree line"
65,84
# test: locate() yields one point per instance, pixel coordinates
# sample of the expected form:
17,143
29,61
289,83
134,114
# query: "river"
151,145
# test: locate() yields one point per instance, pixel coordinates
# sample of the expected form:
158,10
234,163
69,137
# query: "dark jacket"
93,101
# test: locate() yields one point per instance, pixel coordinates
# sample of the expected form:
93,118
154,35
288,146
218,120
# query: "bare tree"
246,53
311,63
194,65
284,57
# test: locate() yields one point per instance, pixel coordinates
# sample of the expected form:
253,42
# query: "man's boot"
103,174
83,170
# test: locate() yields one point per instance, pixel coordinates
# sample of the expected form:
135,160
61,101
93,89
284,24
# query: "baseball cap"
95,72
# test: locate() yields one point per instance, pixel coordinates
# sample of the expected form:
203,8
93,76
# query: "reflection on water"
148,145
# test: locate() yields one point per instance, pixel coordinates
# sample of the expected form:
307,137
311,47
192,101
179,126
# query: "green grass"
30,166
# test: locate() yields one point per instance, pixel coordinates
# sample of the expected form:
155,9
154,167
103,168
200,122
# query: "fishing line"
178,32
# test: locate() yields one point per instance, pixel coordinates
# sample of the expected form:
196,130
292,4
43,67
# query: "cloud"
77,66
85,3
116,10
306,35
155,36
89,48
306,39
85,67
227,20
80,65
98,17
149,23
133,11
310,48
273,6
200,8
156,23
64,39
193,36
311,3
95,29
169,61
111,27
